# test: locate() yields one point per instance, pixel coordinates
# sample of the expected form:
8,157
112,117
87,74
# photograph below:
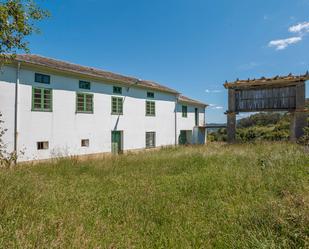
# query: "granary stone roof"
68,67
277,80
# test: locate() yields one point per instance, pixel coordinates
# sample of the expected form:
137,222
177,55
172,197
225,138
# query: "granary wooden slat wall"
283,98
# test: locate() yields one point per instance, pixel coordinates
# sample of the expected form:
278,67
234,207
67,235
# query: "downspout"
176,105
16,108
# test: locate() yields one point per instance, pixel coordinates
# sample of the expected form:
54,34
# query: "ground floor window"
85,142
150,139
44,145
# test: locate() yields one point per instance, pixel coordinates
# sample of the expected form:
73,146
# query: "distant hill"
272,126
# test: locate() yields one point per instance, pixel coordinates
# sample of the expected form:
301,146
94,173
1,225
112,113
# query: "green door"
116,142
183,138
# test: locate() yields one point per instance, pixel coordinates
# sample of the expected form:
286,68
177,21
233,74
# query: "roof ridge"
96,72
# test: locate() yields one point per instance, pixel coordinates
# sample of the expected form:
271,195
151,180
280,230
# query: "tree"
17,22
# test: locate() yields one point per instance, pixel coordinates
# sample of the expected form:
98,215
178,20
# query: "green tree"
17,22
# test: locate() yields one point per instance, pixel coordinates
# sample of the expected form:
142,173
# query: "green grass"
216,196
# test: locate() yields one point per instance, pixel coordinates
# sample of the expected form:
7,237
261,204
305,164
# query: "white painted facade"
64,128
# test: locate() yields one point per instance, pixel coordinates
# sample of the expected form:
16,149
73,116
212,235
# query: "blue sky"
190,45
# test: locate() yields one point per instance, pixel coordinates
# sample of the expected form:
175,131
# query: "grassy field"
216,196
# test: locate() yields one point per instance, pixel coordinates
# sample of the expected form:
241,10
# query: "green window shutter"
184,111
117,105
150,108
84,103
42,99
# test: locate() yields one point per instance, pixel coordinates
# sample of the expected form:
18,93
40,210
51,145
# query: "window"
84,102
150,108
150,139
42,99
84,85
117,106
117,89
150,95
85,142
42,78
42,145
184,111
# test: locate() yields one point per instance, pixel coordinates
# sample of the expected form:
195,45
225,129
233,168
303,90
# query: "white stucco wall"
188,123
63,128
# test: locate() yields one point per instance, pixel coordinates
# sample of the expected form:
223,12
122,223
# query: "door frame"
120,145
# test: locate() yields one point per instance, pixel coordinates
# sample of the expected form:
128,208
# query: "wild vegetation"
262,126
214,196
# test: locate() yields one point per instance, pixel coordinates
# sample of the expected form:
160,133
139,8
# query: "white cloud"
212,91
299,28
284,43
215,107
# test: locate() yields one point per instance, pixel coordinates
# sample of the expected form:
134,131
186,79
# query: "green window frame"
150,108
150,95
117,106
84,85
84,103
117,89
42,99
184,111
42,78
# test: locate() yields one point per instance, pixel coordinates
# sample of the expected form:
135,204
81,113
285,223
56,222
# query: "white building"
53,108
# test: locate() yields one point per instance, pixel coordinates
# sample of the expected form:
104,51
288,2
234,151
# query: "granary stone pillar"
299,116
231,117
298,123
231,127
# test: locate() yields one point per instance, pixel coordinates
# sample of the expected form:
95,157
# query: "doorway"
117,142
196,117
185,137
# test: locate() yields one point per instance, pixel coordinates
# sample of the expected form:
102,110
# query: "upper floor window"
42,99
42,78
84,103
117,89
84,85
150,95
184,111
150,108
117,106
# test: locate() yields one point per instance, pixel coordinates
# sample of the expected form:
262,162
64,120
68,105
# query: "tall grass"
216,196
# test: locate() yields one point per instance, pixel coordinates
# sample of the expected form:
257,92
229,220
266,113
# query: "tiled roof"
190,101
89,71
